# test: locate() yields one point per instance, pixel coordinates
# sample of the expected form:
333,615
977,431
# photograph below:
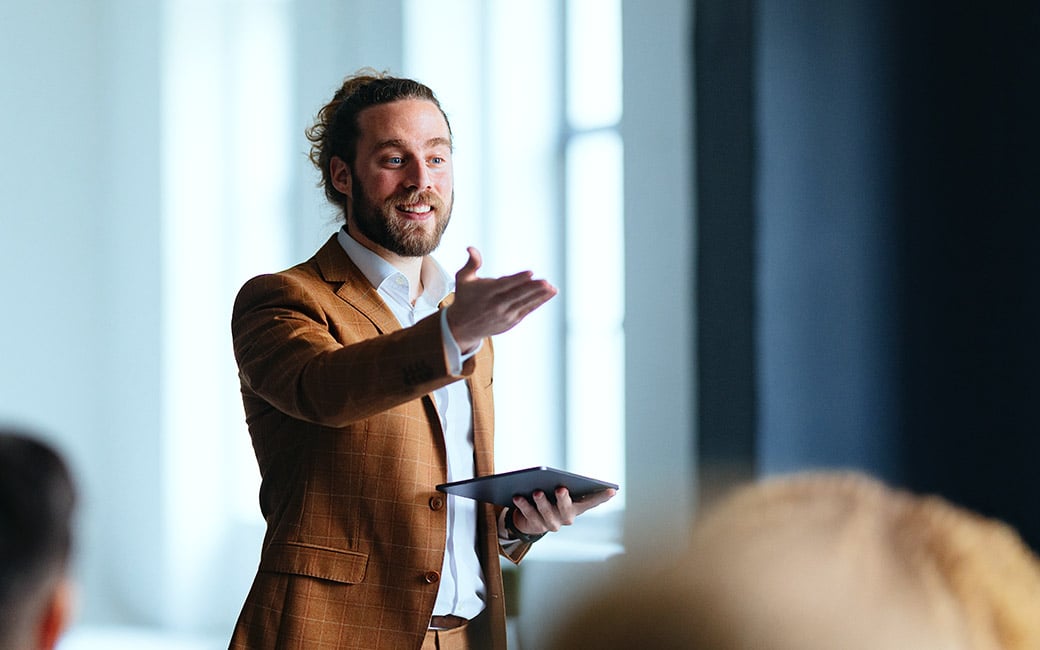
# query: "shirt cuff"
452,351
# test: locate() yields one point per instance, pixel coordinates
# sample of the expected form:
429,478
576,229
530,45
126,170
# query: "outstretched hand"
484,307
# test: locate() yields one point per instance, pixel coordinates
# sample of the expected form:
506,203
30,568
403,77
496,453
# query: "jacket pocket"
315,561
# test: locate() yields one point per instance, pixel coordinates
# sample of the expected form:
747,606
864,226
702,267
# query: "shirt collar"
384,276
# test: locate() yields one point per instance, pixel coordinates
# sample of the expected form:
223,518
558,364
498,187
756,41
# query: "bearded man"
366,378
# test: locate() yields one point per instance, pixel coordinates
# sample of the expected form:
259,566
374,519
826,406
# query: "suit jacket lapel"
335,267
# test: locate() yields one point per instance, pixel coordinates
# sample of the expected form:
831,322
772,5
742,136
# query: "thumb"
469,270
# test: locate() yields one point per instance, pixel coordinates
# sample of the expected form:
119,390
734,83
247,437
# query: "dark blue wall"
969,219
825,332
886,314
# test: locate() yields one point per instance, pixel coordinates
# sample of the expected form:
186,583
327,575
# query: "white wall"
659,327
79,225
97,271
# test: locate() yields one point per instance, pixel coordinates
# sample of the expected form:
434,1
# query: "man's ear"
57,614
339,172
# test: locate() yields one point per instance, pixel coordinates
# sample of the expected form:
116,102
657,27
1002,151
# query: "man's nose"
418,176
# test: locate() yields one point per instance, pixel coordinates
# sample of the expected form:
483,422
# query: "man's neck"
410,266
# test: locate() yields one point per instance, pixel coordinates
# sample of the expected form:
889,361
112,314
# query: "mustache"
407,198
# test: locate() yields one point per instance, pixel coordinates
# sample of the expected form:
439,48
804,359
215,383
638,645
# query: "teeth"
415,209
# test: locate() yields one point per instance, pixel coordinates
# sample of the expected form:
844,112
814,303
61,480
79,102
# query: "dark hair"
37,499
335,131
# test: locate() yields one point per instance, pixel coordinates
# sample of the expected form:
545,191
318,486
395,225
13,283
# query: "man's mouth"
416,209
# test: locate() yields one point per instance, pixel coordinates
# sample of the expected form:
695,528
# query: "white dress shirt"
462,590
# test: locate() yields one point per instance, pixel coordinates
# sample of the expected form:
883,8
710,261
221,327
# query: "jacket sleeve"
313,356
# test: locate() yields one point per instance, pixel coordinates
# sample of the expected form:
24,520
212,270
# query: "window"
533,91
594,238
225,80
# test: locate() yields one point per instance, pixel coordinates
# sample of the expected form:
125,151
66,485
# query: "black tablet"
500,488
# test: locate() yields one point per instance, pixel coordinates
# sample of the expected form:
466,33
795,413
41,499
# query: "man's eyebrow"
396,143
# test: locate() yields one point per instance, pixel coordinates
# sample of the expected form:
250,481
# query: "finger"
469,269
531,517
513,296
536,299
590,501
500,288
565,506
563,497
549,512
524,303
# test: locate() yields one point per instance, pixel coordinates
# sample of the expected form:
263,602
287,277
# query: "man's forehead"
405,120
398,143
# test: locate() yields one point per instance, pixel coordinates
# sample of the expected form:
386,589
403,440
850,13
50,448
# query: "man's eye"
395,160
437,160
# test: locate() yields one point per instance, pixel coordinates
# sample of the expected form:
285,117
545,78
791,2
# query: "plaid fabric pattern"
349,446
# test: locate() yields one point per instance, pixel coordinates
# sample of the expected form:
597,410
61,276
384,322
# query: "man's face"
400,185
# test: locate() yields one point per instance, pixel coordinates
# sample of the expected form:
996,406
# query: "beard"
384,227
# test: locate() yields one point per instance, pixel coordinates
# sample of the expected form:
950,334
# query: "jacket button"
431,577
436,503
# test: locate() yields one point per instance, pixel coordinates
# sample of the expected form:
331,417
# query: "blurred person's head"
36,505
830,560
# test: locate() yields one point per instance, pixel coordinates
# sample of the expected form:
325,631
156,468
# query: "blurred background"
788,235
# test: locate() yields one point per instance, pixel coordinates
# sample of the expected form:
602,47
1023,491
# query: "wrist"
516,533
465,342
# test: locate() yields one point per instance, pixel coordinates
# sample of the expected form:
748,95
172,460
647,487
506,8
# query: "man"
366,383
36,506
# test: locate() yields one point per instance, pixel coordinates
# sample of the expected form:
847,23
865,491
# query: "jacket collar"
336,268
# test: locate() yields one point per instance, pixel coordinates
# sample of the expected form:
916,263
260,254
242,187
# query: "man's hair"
335,131
37,499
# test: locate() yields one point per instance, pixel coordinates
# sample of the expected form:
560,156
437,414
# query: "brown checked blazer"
337,400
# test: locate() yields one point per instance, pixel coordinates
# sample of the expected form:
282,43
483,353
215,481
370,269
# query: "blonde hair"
823,560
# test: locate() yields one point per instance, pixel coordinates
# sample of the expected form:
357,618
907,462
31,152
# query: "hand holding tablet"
501,488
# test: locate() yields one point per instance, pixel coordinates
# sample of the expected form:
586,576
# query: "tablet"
500,488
